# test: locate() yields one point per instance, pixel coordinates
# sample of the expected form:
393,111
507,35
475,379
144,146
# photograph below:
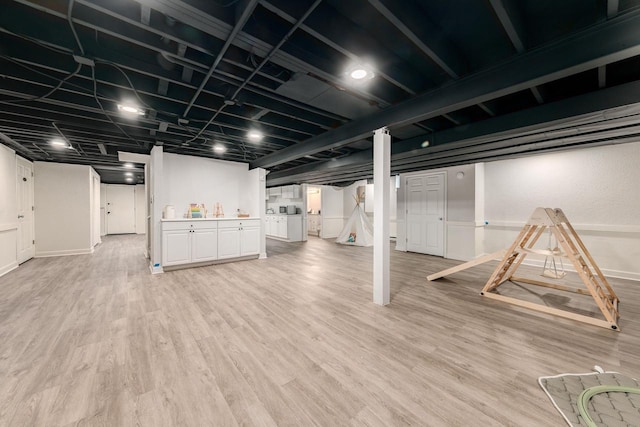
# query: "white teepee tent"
358,229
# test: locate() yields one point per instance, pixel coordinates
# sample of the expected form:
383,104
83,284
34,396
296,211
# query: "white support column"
381,174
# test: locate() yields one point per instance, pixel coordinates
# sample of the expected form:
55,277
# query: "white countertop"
205,219
279,214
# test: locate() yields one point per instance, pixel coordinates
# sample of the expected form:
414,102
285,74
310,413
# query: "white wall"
62,209
252,198
188,179
103,209
463,234
314,200
141,209
597,188
332,211
95,197
8,211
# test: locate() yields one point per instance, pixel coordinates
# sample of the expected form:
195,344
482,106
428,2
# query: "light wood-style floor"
293,340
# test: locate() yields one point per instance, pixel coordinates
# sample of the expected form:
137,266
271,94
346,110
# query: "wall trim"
474,224
8,227
47,254
9,267
579,227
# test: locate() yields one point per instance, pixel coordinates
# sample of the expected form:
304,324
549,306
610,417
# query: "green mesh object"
588,394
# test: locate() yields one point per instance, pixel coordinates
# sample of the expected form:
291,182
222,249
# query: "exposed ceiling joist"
616,102
601,44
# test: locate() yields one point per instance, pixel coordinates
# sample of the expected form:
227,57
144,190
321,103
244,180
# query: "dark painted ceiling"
478,79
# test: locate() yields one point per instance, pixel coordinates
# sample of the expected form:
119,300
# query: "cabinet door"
176,247
228,242
297,191
250,241
267,225
282,227
204,245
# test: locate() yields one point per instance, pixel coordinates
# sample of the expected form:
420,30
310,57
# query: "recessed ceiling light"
130,109
58,143
254,135
128,174
425,144
358,74
129,179
128,165
219,148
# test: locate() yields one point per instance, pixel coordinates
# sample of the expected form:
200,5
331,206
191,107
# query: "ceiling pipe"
244,17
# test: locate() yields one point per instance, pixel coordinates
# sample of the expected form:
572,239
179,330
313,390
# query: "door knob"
20,216
440,218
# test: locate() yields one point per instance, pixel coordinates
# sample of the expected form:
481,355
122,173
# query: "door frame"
20,159
445,220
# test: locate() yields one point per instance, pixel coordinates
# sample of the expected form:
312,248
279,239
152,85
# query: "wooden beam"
480,260
555,311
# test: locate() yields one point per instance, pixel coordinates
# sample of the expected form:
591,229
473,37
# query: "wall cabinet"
189,241
291,192
238,238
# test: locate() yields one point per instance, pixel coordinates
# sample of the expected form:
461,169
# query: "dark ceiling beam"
614,101
612,11
192,16
409,34
514,29
612,8
600,44
264,61
448,51
242,19
298,129
332,44
162,34
224,77
145,14
602,76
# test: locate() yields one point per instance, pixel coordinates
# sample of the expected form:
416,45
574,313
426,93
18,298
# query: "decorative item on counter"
241,214
219,212
196,211
169,212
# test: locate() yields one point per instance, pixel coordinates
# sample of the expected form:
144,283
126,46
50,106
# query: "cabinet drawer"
189,225
238,223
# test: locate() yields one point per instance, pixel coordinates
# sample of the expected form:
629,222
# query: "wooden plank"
554,311
480,260
551,285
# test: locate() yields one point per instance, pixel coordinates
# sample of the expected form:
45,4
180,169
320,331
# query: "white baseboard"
629,275
46,254
7,268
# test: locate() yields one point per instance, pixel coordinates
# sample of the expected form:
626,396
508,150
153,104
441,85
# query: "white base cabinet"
238,238
185,242
288,227
189,241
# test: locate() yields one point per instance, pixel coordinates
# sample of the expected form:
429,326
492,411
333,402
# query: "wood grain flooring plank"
291,340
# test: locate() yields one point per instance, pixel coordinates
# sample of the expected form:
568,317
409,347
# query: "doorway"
425,196
121,209
314,211
26,242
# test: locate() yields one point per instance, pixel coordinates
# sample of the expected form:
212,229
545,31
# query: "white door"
121,209
425,214
26,247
